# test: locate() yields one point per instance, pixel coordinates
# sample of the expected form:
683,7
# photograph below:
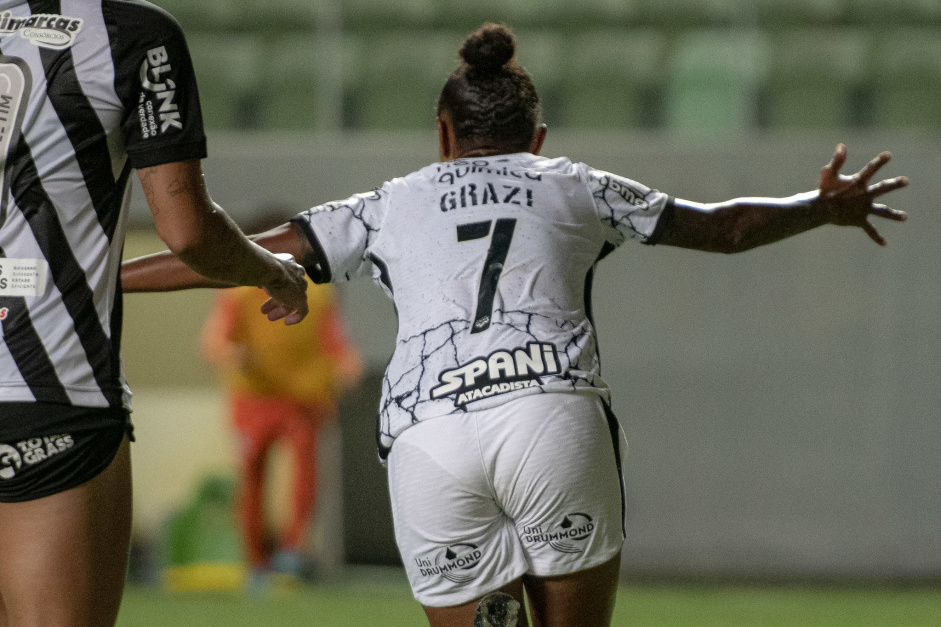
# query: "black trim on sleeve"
663,223
319,272
160,155
155,81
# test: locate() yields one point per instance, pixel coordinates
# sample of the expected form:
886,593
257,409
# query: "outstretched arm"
164,272
200,234
745,223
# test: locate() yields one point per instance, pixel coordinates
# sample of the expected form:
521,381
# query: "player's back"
489,263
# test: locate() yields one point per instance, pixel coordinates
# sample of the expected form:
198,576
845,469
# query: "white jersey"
489,263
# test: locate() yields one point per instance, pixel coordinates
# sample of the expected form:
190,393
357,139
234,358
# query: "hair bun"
489,48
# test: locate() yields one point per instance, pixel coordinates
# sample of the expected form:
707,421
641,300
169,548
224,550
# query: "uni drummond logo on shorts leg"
568,536
498,373
457,563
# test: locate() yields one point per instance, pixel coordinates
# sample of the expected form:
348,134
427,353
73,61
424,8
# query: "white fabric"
534,226
481,498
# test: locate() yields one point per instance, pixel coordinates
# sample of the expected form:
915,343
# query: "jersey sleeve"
628,209
341,234
155,80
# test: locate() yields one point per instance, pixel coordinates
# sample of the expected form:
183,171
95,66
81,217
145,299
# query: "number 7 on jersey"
493,264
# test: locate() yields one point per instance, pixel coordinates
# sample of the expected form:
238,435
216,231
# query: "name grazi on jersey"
472,194
157,95
499,372
47,30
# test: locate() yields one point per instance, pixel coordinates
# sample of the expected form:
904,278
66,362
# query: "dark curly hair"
490,99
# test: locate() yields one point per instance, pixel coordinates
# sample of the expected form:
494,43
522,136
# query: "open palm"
848,200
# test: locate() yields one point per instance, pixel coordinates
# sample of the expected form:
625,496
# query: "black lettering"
513,192
490,194
472,192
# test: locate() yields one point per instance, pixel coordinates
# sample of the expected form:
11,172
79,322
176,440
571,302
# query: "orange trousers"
260,422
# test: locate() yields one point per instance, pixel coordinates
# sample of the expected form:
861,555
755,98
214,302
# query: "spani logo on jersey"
152,80
500,372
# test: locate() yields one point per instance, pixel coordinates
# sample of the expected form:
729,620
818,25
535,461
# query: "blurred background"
783,406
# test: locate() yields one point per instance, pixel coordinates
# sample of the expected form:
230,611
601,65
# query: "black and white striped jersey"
89,90
489,264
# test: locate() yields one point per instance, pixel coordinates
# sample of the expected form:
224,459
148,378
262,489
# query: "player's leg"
255,425
582,599
300,434
457,545
464,615
64,556
557,468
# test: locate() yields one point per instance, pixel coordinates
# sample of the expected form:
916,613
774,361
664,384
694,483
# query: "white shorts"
533,486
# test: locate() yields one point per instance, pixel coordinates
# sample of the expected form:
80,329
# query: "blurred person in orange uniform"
282,384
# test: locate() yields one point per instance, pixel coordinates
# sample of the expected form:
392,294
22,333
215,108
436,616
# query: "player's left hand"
848,200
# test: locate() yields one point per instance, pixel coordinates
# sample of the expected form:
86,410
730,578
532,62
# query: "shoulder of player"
134,14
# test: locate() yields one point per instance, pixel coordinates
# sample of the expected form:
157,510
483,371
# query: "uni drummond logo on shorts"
567,536
456,563
31,452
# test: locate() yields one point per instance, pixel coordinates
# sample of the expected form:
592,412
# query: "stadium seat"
907,68
305,82
397,79
375,15
671,15
713,82
229,71
816,78
614,79
899,12
778,14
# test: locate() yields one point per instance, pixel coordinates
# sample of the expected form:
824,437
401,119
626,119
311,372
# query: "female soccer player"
504,458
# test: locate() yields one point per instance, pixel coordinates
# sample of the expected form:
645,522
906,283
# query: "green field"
382,599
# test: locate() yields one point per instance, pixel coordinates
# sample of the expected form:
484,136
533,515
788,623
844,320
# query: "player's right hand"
288,291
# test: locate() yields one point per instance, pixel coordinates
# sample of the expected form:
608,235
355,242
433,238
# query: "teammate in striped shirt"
89,92
504,458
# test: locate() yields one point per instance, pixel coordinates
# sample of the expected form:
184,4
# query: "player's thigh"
65,555
581,599
456,543
557,472
463,615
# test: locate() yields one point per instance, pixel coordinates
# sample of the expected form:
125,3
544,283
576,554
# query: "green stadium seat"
298,73
816,79
359,15
907,68
713,82
614,79
229,71
784,14
673,15
898,12
398,77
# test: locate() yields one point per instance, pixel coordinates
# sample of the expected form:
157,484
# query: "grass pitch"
382,599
